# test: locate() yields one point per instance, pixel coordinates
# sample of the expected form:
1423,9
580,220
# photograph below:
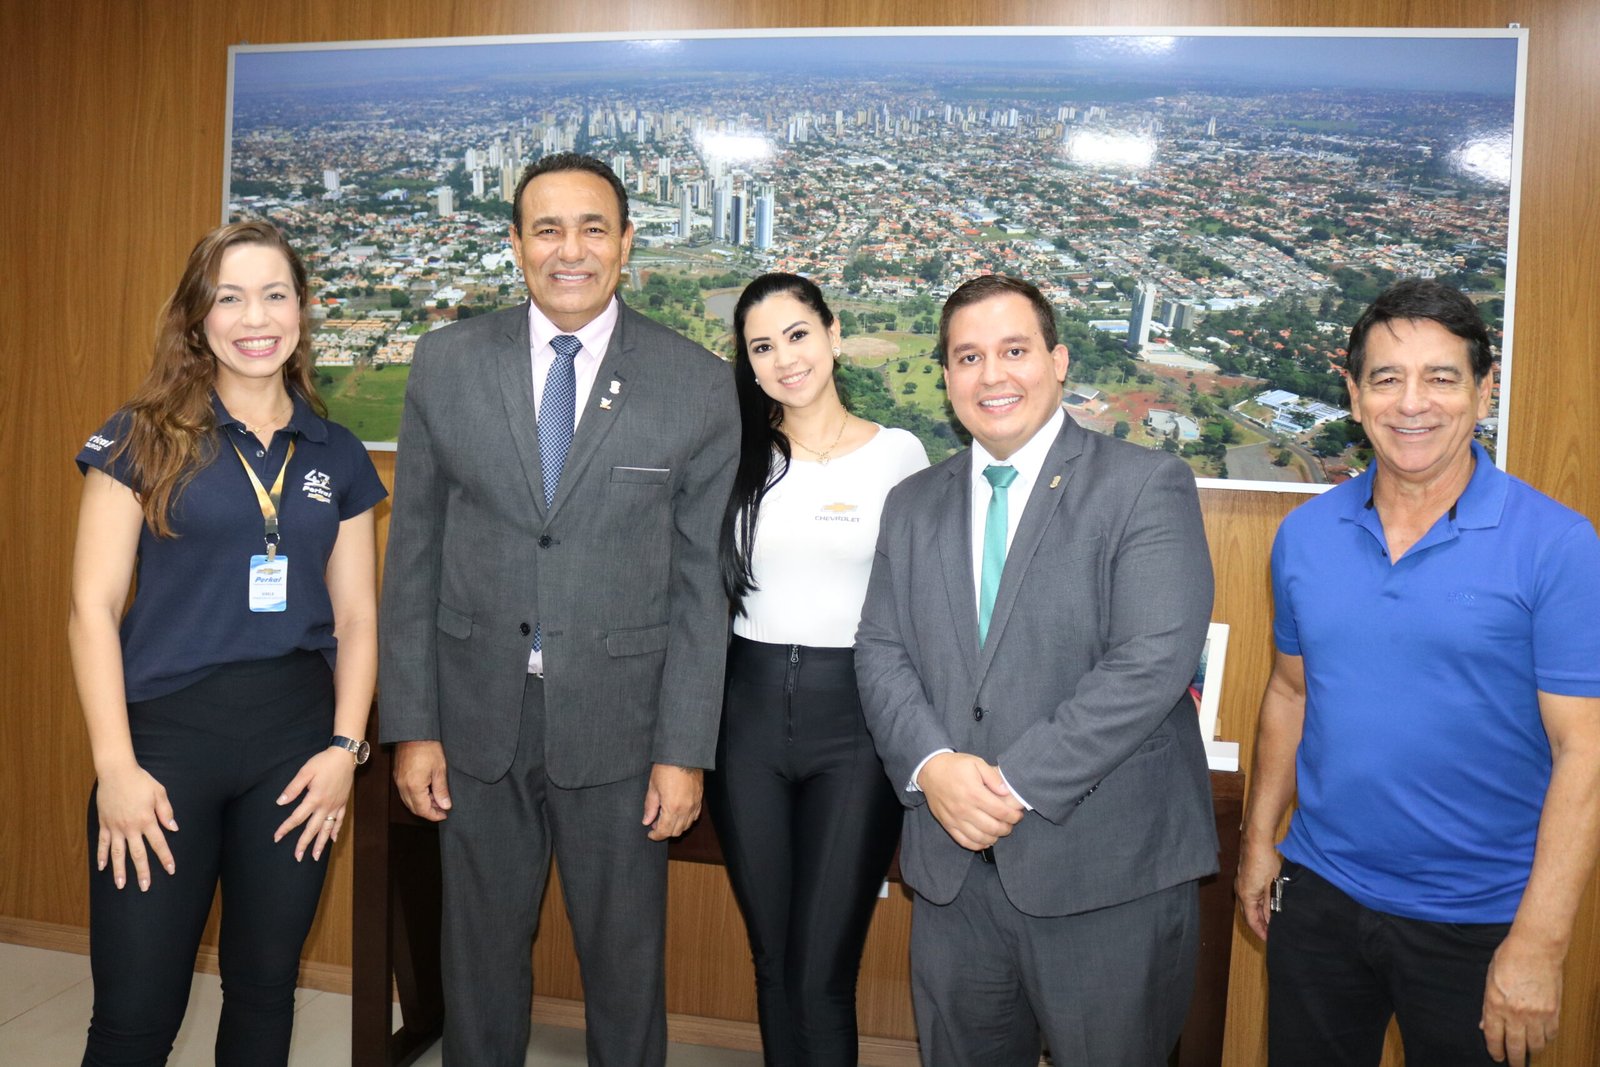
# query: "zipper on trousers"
788,692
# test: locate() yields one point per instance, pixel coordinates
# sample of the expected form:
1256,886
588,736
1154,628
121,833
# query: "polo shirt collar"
1479,506
302,420
1484,499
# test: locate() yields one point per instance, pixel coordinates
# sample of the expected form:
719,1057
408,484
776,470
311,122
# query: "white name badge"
269,583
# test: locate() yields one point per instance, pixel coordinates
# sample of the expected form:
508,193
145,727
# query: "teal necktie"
994,545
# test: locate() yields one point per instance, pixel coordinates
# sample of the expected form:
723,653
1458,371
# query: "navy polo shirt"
1424,763
191,612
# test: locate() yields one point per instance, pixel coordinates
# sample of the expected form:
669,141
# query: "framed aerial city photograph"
1208,210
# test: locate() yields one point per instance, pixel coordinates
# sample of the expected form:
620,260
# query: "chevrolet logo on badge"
839,509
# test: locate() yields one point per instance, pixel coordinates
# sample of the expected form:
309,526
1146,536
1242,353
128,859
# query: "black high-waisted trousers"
808,823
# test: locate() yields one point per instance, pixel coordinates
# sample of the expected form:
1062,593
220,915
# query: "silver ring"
328,819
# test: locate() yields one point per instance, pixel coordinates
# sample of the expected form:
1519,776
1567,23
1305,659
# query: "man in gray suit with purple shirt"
553,623
1036,610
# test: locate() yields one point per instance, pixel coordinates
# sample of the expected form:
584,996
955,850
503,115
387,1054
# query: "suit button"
544,541
977,714
525,629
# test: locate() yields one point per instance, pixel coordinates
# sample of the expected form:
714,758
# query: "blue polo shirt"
191,613
1424,763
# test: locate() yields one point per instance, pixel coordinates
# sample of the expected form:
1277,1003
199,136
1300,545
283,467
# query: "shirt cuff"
1014,792
913,787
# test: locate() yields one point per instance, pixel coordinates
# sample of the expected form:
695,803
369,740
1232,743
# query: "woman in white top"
807,819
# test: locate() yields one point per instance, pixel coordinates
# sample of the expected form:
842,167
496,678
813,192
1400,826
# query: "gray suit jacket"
621,571
1079,694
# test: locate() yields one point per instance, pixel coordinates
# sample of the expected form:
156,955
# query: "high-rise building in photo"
685,214
721,196
1139,318
765,209
1177,314
447,201
736,226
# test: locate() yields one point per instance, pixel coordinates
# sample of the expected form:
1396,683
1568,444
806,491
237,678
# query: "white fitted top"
815,537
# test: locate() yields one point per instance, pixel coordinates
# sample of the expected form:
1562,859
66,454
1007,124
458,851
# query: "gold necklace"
271,424
823,456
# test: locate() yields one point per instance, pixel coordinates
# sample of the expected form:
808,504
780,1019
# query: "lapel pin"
1055,481
605,403
616,387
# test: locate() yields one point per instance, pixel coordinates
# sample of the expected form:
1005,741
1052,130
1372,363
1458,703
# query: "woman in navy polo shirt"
225,732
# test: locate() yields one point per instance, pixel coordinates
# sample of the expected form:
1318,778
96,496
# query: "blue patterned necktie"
558,409
557,412
994,545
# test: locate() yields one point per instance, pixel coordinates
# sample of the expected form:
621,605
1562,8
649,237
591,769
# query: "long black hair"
759,435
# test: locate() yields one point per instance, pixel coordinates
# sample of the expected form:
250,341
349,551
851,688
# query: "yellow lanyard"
269,501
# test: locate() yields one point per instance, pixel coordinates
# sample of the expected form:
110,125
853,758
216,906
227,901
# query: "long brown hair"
168,434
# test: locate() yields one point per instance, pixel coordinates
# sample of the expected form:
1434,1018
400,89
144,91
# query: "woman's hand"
325,779
133,809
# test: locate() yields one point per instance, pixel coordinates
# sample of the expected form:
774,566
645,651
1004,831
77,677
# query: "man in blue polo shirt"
1434,706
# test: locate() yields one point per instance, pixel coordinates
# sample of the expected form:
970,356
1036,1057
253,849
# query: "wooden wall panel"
112,119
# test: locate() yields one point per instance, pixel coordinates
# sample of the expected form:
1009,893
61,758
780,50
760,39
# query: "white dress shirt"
1028,460
595,336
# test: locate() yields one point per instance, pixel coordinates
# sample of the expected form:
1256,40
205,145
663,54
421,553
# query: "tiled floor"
45,998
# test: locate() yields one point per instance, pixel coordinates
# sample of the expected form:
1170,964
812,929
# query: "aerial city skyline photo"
1207,213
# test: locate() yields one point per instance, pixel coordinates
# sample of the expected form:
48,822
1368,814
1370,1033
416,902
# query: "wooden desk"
396,932
395,927
1201,1043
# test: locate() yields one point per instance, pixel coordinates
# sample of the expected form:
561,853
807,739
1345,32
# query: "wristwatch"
360,750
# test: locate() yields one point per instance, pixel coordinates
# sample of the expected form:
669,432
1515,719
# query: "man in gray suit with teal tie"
1036,611
553,623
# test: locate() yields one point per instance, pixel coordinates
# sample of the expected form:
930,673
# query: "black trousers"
1337,971
224,748
808,822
